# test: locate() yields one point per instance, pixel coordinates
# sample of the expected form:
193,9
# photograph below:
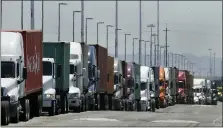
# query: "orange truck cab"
162,87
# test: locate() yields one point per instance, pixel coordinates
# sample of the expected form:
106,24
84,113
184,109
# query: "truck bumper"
144,105
117,104
75,102
47,103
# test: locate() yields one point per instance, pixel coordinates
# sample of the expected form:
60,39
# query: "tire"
26,111
106,102
39,106
58,105
82,104
5,113
98,107
64,105
52,110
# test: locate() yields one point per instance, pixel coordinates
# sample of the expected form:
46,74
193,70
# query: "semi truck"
190,89
101,88
56,64
174,84
162,86
169,85
117,102
156,71
93,77
183,82
137,87
21,75
76,77
124,88
110,80
130,83
147,95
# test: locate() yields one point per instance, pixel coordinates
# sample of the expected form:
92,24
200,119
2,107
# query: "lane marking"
174,121
216,119
95,119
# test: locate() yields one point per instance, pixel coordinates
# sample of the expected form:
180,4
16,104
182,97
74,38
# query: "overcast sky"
194,26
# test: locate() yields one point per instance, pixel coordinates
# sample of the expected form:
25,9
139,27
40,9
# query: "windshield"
197,90
116,79
143,86
181,84
73,69
7,70
47,68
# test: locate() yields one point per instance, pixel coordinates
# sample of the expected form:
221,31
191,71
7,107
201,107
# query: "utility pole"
158,30
166,30
22,13
214,65
133,54
74,23
210,63
32,15
145,51
140,29
107,26
116,29
151,45
155,47
82,21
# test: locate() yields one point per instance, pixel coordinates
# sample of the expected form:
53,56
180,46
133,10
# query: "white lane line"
216,119
95,119
174,121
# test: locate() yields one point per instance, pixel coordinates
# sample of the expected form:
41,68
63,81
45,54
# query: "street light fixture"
133,42
97,29
125,44
86,28
107,26
59,20
74,22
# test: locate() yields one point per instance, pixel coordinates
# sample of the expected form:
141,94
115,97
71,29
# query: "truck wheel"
52,110
39,106
82,104
106,102
26,110
58,105
153,108
5,113
16,118
98,102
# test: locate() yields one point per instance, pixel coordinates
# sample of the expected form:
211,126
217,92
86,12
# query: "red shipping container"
32,43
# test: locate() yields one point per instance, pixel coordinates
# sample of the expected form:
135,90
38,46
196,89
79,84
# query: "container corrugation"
110,75
102,54
32,42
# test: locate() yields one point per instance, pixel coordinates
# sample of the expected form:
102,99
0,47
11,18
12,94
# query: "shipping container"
32,43
110,75
60,51
101,54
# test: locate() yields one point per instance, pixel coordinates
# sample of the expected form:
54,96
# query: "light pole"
145,51
125,44
116,44
107,26
82,21
210,62
86,28
160,59
166,30
171,58
151,40
22,13
133,42
140,29
155,58
97,29
74,22
214,65
59,20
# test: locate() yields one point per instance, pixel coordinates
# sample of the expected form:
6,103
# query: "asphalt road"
178,115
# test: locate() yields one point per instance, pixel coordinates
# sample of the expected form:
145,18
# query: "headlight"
152,95
49,96
73,95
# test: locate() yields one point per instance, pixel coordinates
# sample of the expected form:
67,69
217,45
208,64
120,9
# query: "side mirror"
24,75
98,74
59,70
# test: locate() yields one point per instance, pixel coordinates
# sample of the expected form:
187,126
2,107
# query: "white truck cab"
75,78
145,94
198,86
49,91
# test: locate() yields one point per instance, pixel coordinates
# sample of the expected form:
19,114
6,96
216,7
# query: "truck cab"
75,95
93,77
182,81
49,91
169,84
162,88
130,86
147,87
118,85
